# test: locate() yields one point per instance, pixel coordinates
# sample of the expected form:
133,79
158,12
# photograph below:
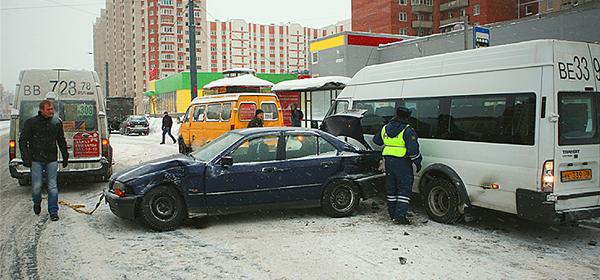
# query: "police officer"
400,152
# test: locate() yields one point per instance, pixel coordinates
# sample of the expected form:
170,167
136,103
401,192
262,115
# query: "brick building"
424,17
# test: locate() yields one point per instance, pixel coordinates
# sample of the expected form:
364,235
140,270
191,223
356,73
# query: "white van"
80,104
514,128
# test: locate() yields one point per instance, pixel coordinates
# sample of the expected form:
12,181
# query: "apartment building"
424,17
267,48
529,7
143,40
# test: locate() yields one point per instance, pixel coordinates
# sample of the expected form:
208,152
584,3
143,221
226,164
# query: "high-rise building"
266,48
136,42
424,17
139,41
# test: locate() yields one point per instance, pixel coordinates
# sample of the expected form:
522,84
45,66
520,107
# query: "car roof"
254,130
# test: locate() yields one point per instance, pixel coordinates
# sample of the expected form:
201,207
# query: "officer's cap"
403,112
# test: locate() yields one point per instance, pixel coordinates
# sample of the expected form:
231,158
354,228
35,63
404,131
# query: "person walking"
167,123
400,152
37,143
297,115
257,121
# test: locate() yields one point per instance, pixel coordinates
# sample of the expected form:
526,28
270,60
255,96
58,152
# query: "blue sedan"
248,169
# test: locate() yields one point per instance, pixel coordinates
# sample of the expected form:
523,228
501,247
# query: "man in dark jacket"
257,121
167,123
400,152
297,115
37,143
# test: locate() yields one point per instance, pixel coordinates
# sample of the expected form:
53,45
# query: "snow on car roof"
244,80
312,83
226,97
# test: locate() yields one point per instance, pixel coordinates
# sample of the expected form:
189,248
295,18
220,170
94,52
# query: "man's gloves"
65,161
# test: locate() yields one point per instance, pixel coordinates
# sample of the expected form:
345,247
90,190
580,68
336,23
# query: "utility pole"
192,37
466,31
106,76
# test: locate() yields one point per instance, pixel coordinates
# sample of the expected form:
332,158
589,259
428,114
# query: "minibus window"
226,114
246,112
378,113
27,110
186,116
213,113
270,110
579,116
77,115
341,106
199,113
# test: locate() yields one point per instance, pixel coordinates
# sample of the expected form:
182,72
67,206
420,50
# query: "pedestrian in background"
167,123
257,121
37,142
400,152
297,115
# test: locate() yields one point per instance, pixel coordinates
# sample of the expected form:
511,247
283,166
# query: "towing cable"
77,207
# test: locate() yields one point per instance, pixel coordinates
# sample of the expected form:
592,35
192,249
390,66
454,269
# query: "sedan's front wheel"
340,198
163,208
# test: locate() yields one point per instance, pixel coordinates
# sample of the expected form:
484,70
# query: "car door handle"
326,164
269,169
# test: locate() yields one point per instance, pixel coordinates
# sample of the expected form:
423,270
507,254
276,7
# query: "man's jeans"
167,130
37,173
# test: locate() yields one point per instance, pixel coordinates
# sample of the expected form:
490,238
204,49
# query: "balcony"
422,8
422,24
452,5
450,21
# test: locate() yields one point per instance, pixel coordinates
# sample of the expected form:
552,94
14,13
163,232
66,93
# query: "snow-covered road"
286,244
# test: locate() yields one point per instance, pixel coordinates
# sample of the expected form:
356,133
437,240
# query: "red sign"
86,144
287,99
247,111
361,40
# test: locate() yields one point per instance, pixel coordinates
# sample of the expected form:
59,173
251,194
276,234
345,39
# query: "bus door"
577,153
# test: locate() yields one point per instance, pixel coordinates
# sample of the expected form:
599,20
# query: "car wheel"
340,198
162,208
24,182
442,201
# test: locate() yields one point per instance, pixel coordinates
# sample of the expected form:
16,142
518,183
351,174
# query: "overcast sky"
58,33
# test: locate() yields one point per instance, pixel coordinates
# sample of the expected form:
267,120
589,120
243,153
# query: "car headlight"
119,189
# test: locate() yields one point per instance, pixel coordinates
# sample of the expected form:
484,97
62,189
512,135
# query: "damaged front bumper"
122,207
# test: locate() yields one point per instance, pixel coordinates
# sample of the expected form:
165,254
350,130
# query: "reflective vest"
393,146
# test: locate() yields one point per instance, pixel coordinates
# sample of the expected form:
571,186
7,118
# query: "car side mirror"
226,161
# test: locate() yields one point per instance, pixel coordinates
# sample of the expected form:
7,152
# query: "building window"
550,5
402,31
315,57
463,12
528,10
402,2
166,2
476,10
402,16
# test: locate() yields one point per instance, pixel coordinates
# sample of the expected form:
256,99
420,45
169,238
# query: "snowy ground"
290,244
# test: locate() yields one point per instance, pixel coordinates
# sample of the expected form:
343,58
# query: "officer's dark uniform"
400,152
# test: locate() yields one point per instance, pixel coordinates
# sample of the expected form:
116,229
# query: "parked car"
248,169
135,124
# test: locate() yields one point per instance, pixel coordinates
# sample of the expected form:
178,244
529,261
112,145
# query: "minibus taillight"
548,176
12,150
105,148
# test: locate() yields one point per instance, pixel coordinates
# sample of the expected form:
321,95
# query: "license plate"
576,175
139,126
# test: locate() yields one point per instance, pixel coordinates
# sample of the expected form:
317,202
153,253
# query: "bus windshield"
76,115
579,117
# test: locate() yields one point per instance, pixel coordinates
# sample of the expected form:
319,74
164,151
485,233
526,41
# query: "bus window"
425,116
226,113
213,113
378,113
77,115
270,110
199,113
579,116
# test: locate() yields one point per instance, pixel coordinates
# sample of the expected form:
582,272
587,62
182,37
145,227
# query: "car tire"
24,182
442,201
340,199
162,208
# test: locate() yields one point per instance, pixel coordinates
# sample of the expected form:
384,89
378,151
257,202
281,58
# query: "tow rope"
77,207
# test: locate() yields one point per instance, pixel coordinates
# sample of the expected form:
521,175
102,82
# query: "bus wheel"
442,201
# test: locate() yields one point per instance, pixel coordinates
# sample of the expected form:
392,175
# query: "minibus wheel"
442,201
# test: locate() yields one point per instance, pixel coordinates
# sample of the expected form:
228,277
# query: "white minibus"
80,104
513,128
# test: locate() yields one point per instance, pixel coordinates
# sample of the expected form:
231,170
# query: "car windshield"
213,148
138,118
